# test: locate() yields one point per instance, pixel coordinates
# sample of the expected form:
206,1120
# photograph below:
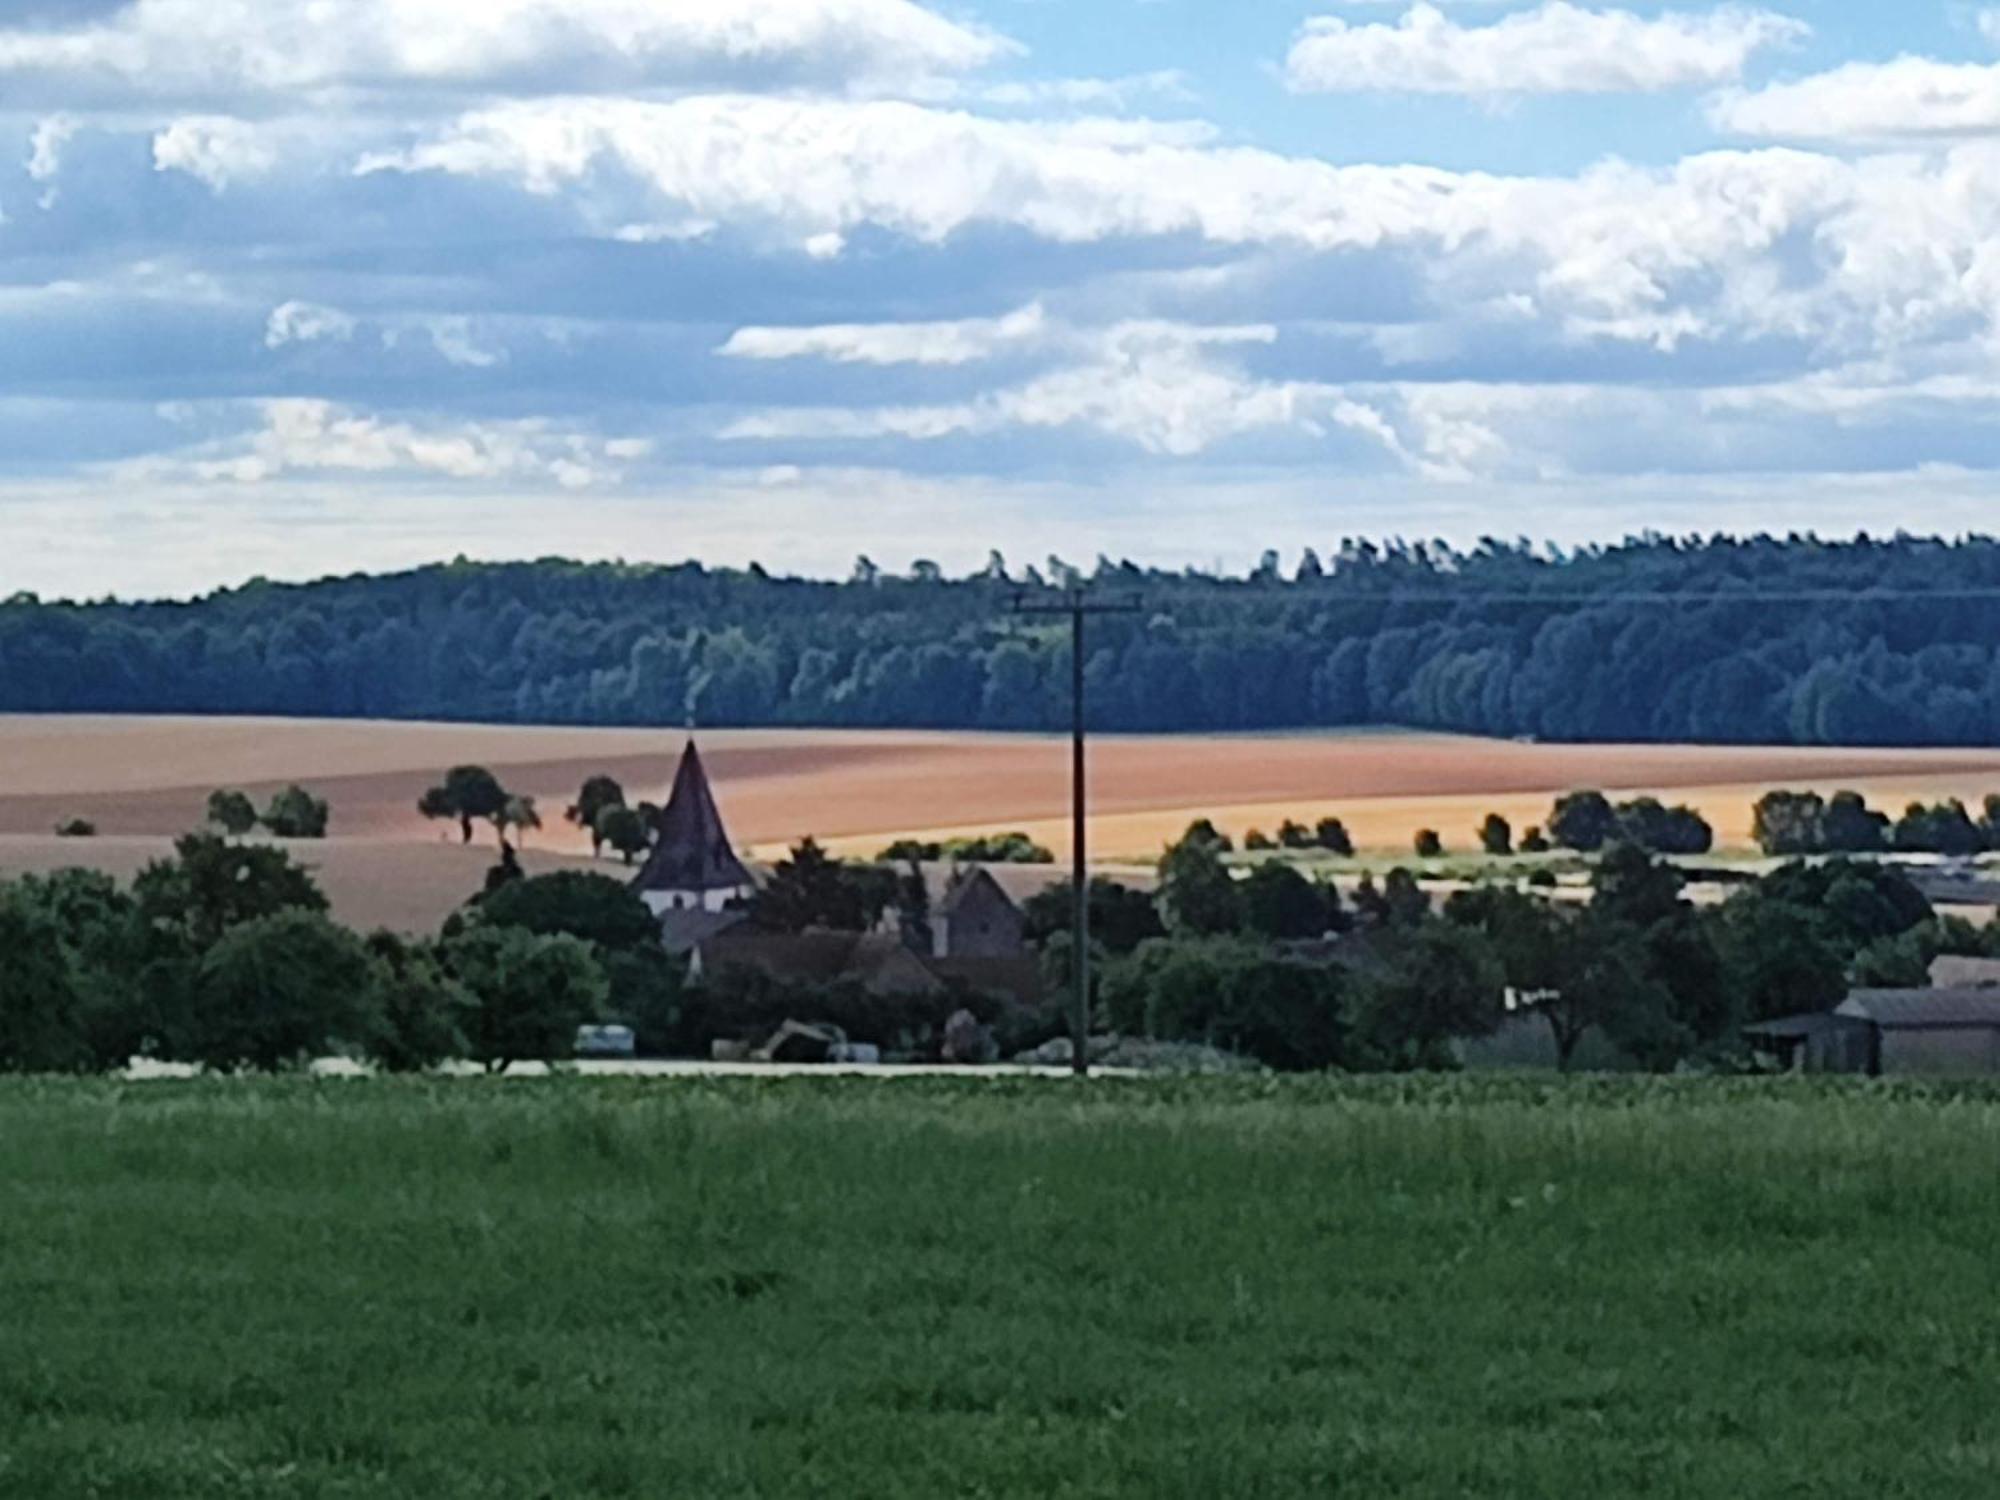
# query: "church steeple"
692,864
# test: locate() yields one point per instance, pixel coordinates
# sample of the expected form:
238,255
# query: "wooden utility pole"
1077,602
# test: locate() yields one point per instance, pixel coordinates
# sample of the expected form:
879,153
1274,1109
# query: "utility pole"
1078,603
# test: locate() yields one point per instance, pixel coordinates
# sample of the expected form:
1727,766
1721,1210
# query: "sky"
299,287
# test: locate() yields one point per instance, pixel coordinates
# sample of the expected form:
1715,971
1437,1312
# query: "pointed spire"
692,851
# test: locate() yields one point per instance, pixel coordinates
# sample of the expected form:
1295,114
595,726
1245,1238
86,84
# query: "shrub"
76,828
233,812
1428,844
296,813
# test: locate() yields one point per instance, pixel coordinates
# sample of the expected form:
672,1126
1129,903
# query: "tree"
281,990
76,828
423,1011
597,793
1534,841
212,885
595,908
1850,826
1646,822
1197,894
624,830
1259,842
1203,832
1630,886
296,813
1331,836
233,812
1439,983
1790,823
1944,829
1120,917
1583,821
1236,995
530,992
468,794
1278,902
1295,835
521,815
41,1023
813,889
1496,835
1428,844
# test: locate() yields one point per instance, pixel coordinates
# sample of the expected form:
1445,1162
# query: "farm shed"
1926,1032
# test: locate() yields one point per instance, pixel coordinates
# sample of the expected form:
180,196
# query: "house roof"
971,881
691,850
1905,1010
684,929
880,963
1952,972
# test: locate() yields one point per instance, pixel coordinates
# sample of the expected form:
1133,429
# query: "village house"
701,892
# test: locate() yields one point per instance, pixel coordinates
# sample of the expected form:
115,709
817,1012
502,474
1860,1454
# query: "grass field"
832,1288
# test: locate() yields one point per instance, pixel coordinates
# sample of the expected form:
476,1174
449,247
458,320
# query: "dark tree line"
1757,640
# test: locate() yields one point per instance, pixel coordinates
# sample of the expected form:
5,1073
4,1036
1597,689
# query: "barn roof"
691,851
1900,1010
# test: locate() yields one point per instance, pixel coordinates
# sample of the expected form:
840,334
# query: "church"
702,892
692,866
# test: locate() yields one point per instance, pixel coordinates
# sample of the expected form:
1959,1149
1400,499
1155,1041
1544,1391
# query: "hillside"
1757,641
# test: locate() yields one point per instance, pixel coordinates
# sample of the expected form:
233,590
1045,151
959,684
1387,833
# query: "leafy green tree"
1944,829
423,1011
1278,902
625,831
130,979
468,794
233,812
41,1023
1120,917
1534,841
1790,823
1849,826
281,990
1648,823
1438,984
596,794
212,885
1583,821
1236,995
1197,894
1203,832
1295,835
1331,835
530,992
1428,844
1259,842
813,889
1496,835
296,813
592,907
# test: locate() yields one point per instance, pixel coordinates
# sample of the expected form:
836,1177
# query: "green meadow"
824,1287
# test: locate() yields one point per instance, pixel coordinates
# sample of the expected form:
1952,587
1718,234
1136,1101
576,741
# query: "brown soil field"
142,780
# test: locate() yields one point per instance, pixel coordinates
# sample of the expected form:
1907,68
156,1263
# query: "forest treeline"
1758,640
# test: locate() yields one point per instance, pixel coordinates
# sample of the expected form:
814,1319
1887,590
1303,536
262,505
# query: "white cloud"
1907,99
298,436
455,341
1150,384
944,343
216,150
306,323
210,48
45,147
1557,48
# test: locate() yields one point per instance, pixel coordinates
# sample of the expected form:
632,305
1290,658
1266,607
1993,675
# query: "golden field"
143,780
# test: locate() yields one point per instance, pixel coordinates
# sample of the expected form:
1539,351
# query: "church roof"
691,851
